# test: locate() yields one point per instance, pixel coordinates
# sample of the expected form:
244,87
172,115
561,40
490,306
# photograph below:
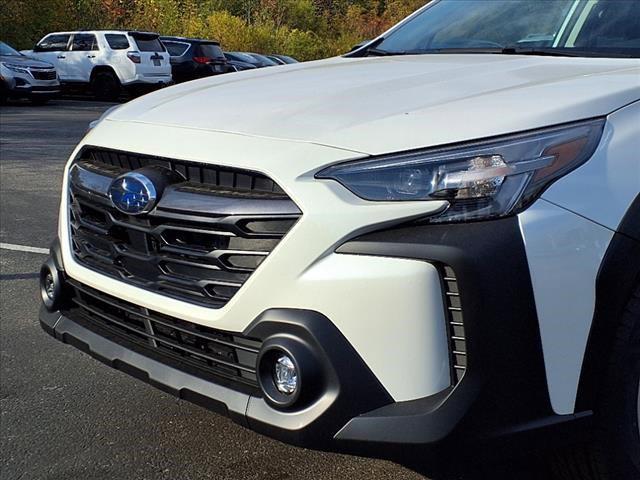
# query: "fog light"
50,285
285,375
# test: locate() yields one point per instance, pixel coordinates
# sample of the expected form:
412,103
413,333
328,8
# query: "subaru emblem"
133,193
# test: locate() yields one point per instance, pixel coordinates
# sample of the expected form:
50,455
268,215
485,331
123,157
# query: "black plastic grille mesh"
199,350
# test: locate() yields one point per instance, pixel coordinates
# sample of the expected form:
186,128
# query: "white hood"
386,104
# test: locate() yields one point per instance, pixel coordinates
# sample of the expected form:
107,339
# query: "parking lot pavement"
66,416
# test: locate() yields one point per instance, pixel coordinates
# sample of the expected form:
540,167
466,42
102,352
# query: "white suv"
429,252
106,61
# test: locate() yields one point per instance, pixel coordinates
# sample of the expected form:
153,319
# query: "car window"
148,43
53,43
117,42
176,49
84,42
210,50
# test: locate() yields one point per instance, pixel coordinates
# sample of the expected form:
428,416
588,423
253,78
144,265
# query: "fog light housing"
50,285
285,375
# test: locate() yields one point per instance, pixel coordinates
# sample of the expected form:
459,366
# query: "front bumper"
24,86
502,396
346,393
151,80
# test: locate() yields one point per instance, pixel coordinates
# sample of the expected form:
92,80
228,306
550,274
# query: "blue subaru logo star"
133,193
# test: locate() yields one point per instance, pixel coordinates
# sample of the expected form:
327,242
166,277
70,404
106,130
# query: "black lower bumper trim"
504,387
502,395
189,387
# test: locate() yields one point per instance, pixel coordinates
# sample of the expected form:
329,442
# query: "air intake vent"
205,352
457,336
201,175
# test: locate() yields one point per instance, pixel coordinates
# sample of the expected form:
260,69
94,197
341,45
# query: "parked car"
263,60
239,65
194,58
24,77
107,61
258,61
282,59
427,250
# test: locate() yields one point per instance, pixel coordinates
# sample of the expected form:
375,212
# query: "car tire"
614,453
105,86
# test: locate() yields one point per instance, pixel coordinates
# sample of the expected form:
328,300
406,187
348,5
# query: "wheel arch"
618,275
103,68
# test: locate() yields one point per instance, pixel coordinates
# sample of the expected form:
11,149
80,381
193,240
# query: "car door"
81,57
53,49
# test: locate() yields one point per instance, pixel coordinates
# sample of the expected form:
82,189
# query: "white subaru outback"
106,61
427,250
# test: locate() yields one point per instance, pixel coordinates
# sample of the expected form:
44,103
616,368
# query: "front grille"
195,173
201,242
455,320
205,352
43,74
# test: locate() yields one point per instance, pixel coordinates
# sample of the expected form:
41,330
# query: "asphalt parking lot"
66,416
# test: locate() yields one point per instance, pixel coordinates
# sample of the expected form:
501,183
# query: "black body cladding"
502,398
619,274
504,389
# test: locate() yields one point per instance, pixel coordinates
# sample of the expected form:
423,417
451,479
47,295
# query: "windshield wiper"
378,52
543,52
563,52
371,50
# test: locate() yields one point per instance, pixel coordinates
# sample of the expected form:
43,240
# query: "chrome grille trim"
199,244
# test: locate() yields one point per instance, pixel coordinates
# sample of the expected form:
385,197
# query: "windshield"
148,43
242,57
211,50
606,28
6,50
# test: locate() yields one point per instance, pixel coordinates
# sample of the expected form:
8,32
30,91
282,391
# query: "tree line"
305,29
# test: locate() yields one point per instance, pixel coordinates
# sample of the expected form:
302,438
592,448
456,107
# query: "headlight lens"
15,68
487,179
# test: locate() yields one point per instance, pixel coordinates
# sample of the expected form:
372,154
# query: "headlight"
104,115
480,180
15,68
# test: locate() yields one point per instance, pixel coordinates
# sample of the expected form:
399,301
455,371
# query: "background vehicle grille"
44,74
202,351
202,241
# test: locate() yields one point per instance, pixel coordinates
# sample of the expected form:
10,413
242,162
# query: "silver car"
25,77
